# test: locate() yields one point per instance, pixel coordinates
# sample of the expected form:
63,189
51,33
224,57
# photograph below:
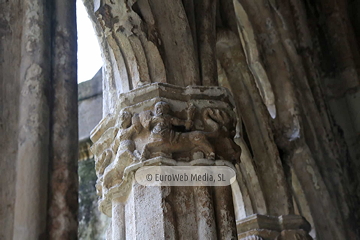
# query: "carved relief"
123,144
165,141
172,125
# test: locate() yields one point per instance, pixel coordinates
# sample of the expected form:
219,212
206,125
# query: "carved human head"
161,108
124,120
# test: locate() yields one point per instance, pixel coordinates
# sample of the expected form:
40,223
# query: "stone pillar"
38,120
162,124
174,42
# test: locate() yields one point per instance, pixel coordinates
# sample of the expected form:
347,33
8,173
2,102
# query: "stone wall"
92,224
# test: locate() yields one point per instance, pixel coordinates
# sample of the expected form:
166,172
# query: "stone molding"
285,227
162,124
121,190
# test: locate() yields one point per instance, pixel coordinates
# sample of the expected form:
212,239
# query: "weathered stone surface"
273,228
293,67
63,179
33,153
162,124
282,67
38,104
11,22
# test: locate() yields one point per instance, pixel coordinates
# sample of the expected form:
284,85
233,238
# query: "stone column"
38,120
162,124
174,42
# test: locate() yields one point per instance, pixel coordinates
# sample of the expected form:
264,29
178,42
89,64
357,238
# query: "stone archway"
297,94
226,43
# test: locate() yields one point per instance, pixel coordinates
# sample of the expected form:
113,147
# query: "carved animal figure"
165,141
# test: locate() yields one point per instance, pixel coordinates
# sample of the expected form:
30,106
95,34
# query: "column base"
262,227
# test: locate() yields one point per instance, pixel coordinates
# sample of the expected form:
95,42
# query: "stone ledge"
270,227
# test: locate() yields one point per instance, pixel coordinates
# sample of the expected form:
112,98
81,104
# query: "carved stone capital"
162,124
289,227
